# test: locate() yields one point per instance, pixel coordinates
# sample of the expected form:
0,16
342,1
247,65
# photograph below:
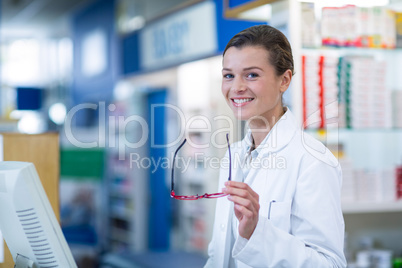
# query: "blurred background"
123,82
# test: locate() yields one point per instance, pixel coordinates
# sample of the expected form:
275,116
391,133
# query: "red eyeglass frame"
196,197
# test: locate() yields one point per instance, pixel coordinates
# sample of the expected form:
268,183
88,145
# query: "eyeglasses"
195,197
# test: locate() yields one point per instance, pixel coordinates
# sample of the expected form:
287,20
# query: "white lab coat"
300,219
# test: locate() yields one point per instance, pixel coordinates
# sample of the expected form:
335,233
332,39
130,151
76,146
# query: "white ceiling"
38,18
27,18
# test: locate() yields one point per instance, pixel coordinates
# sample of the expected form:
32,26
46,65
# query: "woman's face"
250,84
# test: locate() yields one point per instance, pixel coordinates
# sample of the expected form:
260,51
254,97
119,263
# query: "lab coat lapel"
279,137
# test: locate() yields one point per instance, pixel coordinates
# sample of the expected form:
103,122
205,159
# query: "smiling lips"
241,102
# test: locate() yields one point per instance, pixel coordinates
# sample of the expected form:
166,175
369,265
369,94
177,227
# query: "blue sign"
183,36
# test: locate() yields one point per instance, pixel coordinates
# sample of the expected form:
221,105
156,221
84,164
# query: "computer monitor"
27,221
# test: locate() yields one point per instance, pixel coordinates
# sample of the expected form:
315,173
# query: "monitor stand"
23,262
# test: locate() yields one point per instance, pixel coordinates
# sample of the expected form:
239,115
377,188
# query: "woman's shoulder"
312,149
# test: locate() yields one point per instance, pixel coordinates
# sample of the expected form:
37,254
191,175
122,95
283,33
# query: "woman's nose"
238,85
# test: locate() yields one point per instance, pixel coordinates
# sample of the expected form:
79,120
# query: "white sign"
185,35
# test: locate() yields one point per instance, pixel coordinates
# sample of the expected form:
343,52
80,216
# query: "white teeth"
241,100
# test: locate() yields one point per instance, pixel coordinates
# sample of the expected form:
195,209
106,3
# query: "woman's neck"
261,127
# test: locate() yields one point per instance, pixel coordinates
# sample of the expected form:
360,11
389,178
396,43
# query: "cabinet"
367,137
121,204
43,151
126,179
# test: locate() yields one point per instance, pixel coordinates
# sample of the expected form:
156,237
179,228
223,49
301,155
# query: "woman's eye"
228,76
252,75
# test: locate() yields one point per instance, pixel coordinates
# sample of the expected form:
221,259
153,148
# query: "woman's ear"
286,79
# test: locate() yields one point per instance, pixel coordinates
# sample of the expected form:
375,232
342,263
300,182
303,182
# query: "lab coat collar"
279,136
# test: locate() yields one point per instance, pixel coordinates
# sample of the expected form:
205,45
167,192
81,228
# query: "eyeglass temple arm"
174,158
230,158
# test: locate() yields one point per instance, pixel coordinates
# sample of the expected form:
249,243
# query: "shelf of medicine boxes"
372,207
390,143
390,55
121,203
390,137
368,149
352,49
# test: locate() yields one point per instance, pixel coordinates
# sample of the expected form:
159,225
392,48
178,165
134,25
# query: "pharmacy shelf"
368,149
121,235
372,207
345,132
363,130
121,213
348,49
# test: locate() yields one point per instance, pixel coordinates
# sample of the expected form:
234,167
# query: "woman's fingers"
241,201
238,188
246,206
244,211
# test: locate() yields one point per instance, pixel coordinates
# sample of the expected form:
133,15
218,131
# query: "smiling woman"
252,88
286,215
257,70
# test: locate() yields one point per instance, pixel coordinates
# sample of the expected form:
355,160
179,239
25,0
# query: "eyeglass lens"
195,197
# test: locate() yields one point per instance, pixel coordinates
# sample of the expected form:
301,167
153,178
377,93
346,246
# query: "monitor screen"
27,220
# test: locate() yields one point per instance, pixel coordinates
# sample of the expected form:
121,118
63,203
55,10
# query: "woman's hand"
246,206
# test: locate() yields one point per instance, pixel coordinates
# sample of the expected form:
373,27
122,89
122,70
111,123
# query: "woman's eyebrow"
245,69
252,67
